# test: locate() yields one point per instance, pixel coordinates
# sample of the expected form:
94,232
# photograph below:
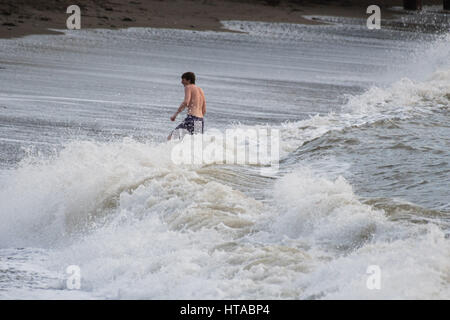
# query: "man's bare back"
195,99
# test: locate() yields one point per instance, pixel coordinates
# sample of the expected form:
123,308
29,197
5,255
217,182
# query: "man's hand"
172,118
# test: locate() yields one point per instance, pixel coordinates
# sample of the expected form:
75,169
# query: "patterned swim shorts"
192,124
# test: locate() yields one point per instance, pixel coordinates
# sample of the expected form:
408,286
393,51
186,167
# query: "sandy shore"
24,17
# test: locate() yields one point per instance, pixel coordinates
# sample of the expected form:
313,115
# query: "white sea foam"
48,199
403,99
348,237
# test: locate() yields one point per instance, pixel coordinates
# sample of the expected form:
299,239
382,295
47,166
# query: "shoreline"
26,17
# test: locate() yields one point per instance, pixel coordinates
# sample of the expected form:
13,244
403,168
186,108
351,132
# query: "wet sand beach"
23,17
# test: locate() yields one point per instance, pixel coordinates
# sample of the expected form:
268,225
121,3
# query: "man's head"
188,78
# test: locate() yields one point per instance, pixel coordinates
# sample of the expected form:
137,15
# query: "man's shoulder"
193,87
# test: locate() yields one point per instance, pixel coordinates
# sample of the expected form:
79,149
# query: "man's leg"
181,126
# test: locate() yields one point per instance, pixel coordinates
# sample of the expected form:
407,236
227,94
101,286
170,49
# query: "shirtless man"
194,100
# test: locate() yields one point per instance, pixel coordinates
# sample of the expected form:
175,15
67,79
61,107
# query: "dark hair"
190,76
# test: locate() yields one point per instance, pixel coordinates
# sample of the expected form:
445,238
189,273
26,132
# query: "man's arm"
184,104
204,104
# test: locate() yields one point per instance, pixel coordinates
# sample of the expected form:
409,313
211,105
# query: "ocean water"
87,178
